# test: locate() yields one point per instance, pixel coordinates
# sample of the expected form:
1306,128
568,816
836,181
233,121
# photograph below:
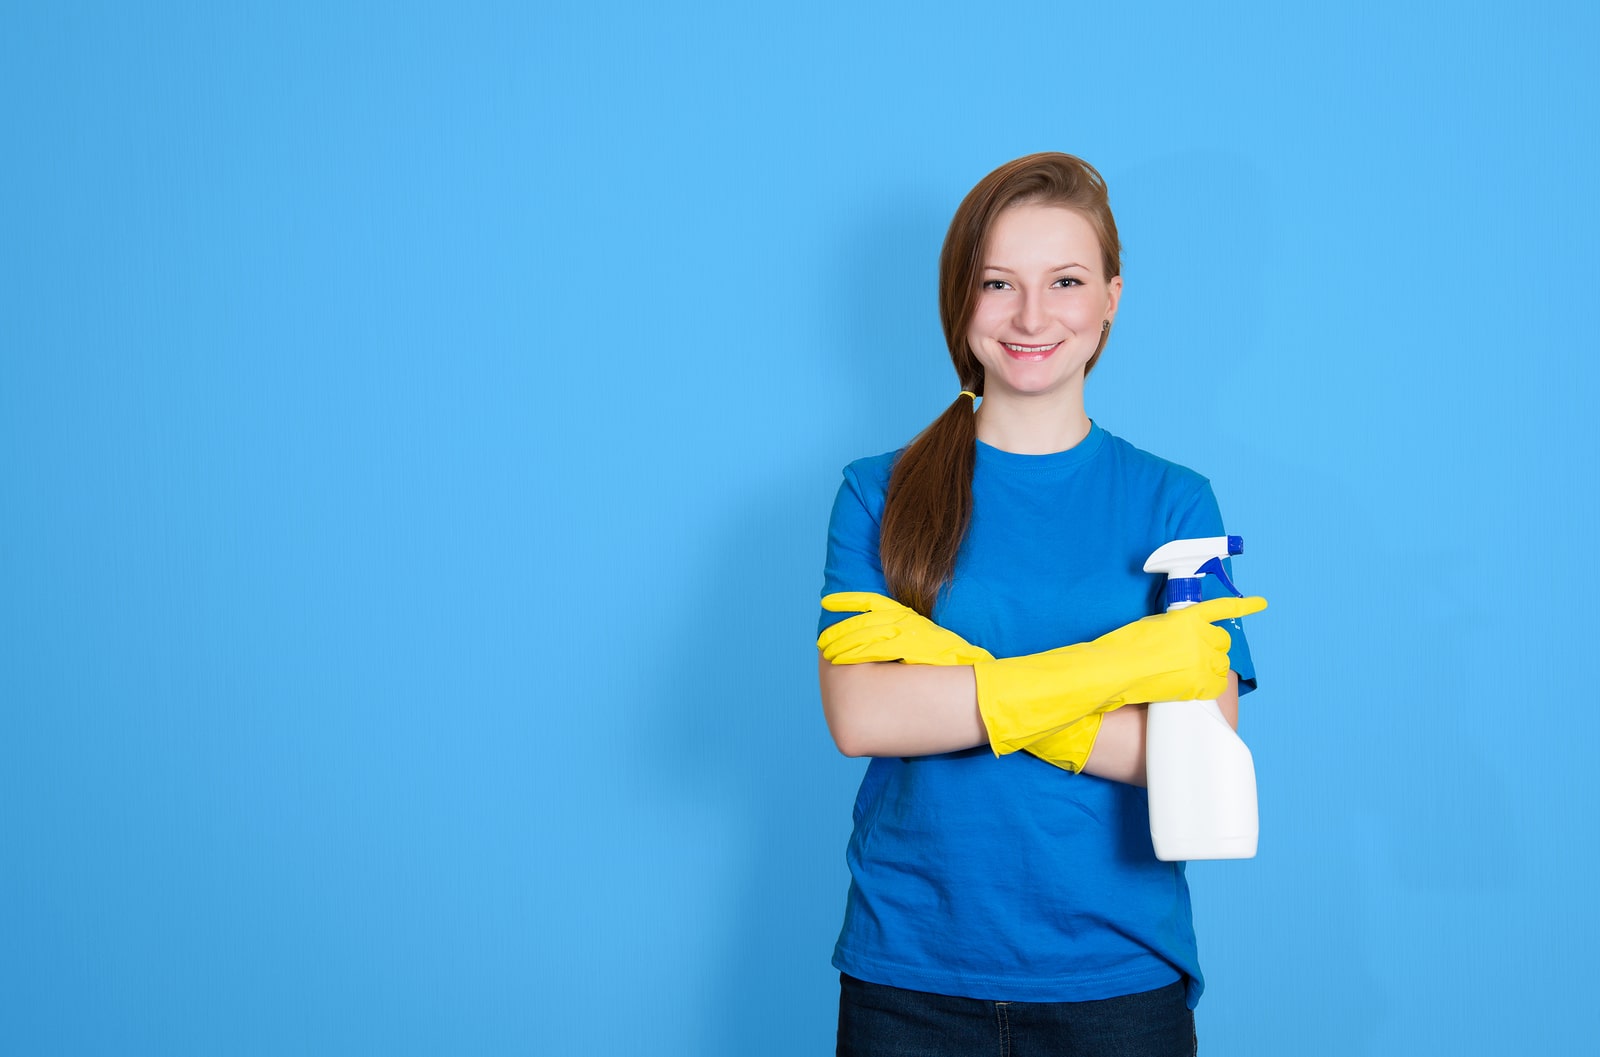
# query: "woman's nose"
1030,313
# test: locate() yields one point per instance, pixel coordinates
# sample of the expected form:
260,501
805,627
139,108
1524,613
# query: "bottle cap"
1183,589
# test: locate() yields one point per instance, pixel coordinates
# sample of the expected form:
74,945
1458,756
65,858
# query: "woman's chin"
1034,384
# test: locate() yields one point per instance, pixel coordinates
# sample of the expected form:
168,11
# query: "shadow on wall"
739,735
748,742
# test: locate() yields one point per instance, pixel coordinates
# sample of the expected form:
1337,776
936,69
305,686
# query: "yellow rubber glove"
885,630
1069,747
1177,656
889,631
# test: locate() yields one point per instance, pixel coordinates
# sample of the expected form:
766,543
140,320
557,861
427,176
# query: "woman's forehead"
1040,235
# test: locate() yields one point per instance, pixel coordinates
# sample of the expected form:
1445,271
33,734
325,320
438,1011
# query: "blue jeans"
876,1020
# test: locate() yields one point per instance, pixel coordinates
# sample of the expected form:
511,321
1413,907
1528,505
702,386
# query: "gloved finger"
839,639
889,616
1219,668
870,653
908,648
861,622
1225,608
862,601
1216,638
856,649
1210,679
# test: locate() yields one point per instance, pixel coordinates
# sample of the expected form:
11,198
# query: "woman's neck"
1032,425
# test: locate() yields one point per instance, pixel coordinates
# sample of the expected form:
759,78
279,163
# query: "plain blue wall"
417,434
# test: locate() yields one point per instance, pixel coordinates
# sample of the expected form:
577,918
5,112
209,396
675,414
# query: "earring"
1105,325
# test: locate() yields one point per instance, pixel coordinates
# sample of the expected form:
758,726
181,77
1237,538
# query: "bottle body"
1201,777
1202,784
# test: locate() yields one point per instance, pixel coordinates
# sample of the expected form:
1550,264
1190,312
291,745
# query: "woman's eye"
1067,280
994,284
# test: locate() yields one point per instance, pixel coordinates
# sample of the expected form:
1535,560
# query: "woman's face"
1042,302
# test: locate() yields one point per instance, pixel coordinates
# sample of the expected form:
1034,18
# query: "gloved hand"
885,630
1069,747
1176,656
889,631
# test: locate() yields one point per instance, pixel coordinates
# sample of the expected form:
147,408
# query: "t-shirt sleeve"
852,563
1204,518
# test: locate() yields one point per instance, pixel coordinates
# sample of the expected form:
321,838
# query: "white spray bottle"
1202,780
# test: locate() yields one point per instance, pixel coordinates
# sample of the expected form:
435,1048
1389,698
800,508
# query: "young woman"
988,638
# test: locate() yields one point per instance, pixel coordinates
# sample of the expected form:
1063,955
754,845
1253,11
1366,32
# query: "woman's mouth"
1029,352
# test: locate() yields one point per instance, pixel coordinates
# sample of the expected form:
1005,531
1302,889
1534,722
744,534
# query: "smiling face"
1042,303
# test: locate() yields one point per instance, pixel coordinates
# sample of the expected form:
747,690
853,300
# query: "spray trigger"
1215,566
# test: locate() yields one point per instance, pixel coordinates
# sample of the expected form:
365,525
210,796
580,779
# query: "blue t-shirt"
1008,878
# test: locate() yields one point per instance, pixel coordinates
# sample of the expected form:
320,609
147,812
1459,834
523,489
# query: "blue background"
418,428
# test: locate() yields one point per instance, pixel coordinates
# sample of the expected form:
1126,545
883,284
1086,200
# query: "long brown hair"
929,504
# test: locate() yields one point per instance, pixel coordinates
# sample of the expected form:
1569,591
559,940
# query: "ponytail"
929,506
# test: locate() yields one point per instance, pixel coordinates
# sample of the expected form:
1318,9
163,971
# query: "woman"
999,894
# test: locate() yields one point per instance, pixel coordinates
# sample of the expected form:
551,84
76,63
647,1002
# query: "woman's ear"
1113,296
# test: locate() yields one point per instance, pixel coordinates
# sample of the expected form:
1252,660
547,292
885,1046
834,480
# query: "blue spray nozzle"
1235,546
1215,566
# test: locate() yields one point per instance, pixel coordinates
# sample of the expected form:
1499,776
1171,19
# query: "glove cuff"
1021,699
1070,749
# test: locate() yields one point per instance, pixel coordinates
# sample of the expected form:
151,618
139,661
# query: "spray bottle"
1202,780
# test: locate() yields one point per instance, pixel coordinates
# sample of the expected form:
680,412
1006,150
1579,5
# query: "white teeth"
1029,348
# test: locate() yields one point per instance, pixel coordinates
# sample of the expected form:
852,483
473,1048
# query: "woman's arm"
893,709
1119,750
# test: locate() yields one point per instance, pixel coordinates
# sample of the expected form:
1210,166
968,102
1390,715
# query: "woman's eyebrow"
1008,271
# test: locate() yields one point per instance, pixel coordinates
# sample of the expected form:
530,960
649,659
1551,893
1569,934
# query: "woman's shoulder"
1159,472
871,473
865,488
